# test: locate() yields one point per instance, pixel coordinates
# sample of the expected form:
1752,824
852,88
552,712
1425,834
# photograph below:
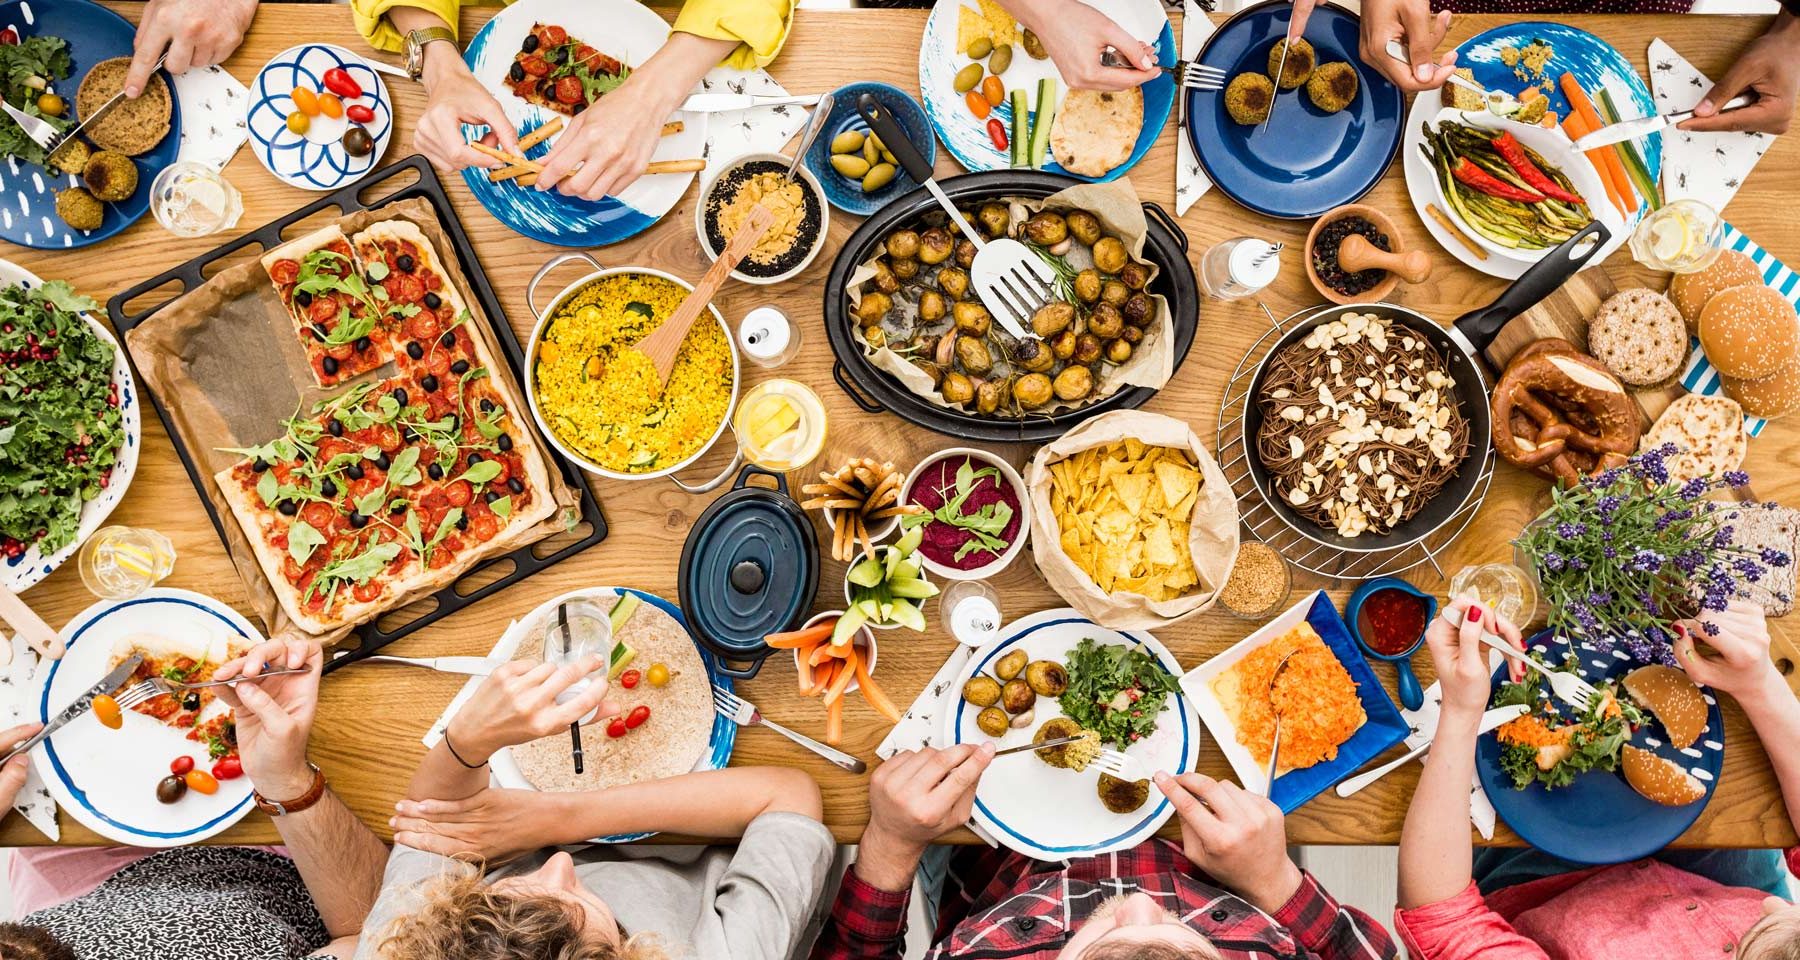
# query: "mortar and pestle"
1355,253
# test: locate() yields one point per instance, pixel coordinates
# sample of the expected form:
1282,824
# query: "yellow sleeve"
759,26
372,22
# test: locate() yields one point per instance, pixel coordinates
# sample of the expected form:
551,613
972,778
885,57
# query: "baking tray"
370,637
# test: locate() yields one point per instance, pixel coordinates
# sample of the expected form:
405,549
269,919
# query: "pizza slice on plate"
557,72
180,660
343,325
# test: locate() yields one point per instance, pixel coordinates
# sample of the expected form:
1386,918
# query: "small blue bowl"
1412,696
844,193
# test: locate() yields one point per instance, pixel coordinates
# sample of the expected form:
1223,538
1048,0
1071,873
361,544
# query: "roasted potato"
935,246
1073,383
1016,696
1047,678
1135,275
1115,293
1010,666
965,253
903,244
1109,254
884,280
987,397
1052,318
1062,346
957,388
1033,355
1087,285
1132,335
1056,728
1119,351
1139,309
1105,321
1087,349
993,219
1047,229
972,318
972,354
1122,796
954,281
1032,390
981,690
873,307
931,306
905,269
876,336
932,370
1084,226
992,721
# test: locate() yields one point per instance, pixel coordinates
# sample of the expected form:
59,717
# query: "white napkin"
18,688
921,724
1190,181
1423,723
1708,167
733,133
212,116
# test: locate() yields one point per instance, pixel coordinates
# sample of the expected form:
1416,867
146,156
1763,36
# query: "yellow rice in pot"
600,397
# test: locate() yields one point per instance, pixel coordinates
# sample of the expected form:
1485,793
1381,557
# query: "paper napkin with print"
17,688
922,723
1191,183
1422,724
213,103
1709,167
733,133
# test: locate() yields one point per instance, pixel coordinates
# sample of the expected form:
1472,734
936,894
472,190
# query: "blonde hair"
464,918
1774,937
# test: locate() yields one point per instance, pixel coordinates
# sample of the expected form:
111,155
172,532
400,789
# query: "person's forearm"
674,70
886,863
340,860
408,19
709,803
1029,12
1775,715
1435,851
442,777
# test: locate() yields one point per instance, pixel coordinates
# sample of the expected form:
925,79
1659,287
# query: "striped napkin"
1700,376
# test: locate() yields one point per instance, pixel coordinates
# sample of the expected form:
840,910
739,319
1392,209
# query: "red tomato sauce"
1392,621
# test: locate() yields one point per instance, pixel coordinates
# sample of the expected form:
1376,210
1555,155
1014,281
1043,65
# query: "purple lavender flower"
1775,558
1645,561
1554,562
1570,531
1736,478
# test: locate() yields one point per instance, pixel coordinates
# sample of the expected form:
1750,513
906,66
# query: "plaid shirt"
1000,905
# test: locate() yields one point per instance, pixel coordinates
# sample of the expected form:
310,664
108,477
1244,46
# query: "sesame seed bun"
1749,332
1770,397
1690,291
1673,699
1660,780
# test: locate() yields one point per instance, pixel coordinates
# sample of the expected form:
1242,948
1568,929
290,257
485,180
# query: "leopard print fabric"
198,903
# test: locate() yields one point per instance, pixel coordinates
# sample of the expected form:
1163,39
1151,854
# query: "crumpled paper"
1709,167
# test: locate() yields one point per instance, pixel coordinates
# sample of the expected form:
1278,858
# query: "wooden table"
370,719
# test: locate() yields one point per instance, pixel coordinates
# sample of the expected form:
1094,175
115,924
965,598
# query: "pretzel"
1562,414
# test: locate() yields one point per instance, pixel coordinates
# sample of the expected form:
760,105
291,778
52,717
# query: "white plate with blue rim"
628,32
106,779
26,570
1049,813
316,159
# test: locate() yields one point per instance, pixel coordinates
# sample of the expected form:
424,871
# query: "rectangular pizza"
343,324
399,485
557,72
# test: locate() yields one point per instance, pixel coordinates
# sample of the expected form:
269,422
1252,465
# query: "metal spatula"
1011,281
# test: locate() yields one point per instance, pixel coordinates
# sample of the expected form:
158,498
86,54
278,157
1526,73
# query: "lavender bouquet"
1625,553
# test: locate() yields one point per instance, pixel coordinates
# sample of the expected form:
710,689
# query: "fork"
40,131
1118,764
1190,74
1568,687
154,687
744,713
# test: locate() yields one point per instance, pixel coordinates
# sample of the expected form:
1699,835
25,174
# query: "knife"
1489,720
1059,741
82,704
1280,68
99,114
472,666
1644,126
721,102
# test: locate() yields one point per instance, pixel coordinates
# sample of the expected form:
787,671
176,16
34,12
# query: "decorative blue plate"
1307,161
846,194
1599,818
316,160
94,34
966,137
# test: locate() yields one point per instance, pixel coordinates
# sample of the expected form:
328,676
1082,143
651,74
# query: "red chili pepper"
339,81
359,113
1476,178
1513,152
997,133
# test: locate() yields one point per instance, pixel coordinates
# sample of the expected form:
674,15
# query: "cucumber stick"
1020,125
1040,130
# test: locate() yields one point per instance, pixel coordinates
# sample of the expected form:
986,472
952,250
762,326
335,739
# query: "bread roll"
1690,291
1659,780
1673,699
1773,396
1749,332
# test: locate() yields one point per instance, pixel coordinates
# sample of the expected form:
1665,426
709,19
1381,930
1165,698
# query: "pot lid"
750,568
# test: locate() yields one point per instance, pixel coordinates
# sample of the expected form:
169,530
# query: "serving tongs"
1011,281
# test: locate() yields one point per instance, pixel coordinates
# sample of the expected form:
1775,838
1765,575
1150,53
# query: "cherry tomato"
637,716
359,113
298,123
339,81
555,36
615,728
305,101
658,674
330,105
170,789
569,90
201,781
997,133
978,104
50,104
284,271
228,768
993,90
181,765
9,37
358,143
629,679
106,710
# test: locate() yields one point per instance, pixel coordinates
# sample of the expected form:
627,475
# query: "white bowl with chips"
1022,495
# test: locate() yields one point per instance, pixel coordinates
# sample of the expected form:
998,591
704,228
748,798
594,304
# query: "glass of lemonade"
1680,237
192,200
1503,587
118,563
781,424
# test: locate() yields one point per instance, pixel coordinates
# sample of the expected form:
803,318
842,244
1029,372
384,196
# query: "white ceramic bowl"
807,182
849,598
1007,473
864,642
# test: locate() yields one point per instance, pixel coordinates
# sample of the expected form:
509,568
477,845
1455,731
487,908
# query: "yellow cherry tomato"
658,674
51,105
298,123
106,710
305,101
201,782
330,105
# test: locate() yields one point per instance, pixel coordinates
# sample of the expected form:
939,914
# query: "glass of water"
192,200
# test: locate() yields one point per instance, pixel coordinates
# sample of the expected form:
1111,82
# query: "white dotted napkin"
17,689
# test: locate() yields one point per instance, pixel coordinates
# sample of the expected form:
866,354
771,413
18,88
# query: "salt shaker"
766,336
1239,267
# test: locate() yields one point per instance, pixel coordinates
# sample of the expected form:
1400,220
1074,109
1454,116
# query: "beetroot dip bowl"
933,483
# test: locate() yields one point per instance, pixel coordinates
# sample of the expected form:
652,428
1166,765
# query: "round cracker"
1638,334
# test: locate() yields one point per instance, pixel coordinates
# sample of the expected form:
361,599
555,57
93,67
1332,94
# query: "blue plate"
844,193
966,137
94,34
316,160
1307,161
1599,818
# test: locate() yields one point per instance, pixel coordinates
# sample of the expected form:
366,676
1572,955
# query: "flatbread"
674,739
1756,527
134,126
1709,431
1095,130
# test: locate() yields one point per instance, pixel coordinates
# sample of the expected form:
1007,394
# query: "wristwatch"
415,47
282,808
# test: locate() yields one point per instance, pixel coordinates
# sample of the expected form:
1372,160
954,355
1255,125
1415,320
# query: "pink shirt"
1628,911
43,877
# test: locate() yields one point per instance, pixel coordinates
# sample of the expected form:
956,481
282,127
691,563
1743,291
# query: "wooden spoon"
665,341
1356,254
29,625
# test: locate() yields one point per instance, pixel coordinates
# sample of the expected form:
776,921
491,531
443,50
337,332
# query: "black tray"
370,636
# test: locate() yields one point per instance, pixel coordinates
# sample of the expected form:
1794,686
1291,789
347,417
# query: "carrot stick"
822,653
794,639
822,678
876,696
806,671
841,681
834,721
1576,127
1618,185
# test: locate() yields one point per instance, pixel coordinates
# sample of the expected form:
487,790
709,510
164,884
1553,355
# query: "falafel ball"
72,157
111,176
1332,86
79,209
1300,62
1247,98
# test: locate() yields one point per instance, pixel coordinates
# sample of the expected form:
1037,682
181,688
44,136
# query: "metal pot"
540,322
